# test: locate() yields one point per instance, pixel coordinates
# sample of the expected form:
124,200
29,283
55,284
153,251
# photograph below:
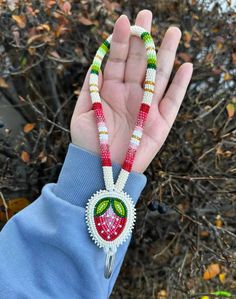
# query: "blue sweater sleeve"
45,249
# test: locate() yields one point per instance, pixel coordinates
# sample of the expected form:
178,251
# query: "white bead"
122,178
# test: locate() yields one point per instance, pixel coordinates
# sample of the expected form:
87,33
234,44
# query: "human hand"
121,90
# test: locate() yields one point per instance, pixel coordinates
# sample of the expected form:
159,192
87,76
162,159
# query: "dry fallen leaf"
20,20
187,38
3,83
162,294
66,7
42,157
14,205
12,4
60,30
55,54
234,57
34,38
218,221
111,6
29,127
204,234
230,108
227,77
25,156
43,27
50,3
85,21
32,50
222,277
211,271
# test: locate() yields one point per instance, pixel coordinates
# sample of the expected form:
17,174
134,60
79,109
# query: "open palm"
121,90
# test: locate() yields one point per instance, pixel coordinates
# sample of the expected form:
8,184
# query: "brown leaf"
196,35
77,91
222,277
187,36
43,27
209,57
21,99
32,50
66,7
111,6
18,203
42,157
227,76
60,30
25,156
3,83
50,3
20,20
234,57
218,221
230,110
28,127
219,45
220,42
216,71
204,234
34,38
211,271
30,11
55,54
85,21
56,15
162,294
14,205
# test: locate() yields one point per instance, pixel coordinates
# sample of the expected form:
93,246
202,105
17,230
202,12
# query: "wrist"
81,176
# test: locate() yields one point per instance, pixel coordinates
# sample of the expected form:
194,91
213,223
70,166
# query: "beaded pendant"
110,213
110,217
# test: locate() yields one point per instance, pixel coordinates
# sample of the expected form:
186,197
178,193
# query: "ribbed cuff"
81,176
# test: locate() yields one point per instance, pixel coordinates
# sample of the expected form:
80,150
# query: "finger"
170,104
165,60
84,103
115,66
137,58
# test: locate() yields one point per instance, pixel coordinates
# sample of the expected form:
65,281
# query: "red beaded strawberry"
110,216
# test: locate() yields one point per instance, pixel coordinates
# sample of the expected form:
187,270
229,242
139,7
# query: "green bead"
151,66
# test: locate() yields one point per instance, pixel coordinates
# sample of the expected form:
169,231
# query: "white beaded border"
89,215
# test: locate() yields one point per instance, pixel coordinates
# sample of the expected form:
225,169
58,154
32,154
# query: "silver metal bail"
109,263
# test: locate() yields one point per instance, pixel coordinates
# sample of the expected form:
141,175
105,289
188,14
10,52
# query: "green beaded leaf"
101,206
119,208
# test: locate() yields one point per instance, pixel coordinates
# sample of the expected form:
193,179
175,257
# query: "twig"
45,118
212,109
5,205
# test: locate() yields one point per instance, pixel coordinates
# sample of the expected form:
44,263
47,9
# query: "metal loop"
109,263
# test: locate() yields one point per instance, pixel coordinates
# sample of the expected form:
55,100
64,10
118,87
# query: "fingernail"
175,27
123,16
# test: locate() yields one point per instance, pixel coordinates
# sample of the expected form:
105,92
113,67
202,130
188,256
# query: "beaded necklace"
110,213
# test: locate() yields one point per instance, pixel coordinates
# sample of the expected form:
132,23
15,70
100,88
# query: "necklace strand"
149,85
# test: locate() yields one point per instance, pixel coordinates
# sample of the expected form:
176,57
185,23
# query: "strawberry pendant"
110,216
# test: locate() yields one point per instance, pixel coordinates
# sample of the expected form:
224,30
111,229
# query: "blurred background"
184,243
